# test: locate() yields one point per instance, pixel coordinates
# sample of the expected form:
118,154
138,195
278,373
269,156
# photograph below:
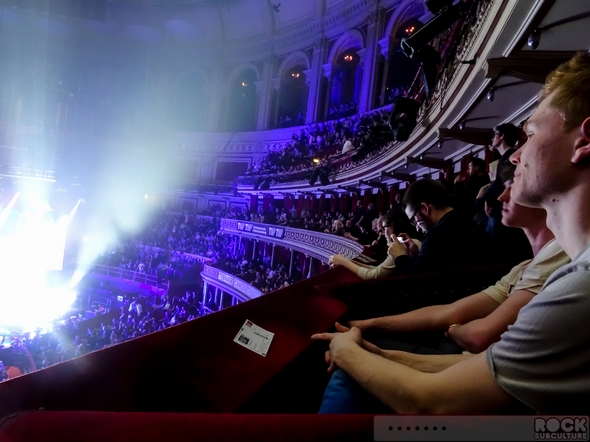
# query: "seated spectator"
468,186
452,241
348,146
337,228
477,321
481,215
391,223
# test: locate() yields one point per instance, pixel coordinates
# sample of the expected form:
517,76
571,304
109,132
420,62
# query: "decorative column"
220,305
327,68
274,104
370,59
291,263
272,258
314,76
384,46
214,94
216,294
253,248
263,87
310,271
223,99
204,292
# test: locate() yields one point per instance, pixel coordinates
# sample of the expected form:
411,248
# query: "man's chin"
524,199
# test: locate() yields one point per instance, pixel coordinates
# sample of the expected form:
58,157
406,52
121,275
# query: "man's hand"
411,246
396,248
339,342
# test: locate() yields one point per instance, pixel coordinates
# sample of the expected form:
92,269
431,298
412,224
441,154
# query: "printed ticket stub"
254,338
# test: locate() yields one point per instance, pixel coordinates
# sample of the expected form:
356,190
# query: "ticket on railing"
254,338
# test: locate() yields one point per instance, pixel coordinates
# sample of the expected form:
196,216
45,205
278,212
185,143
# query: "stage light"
6,212
265,185
403,118
314,177
316,161
244,84
430,59
438,24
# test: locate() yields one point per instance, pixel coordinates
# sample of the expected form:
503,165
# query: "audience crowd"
138,317
318,143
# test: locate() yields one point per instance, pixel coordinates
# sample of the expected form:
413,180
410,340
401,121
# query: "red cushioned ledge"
178,427
195,366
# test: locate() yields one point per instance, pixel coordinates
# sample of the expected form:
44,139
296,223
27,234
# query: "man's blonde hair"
571,84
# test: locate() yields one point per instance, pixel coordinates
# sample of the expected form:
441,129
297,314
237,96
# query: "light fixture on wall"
295,74
535,38
463,123
410,30
244,84
492,92
348,58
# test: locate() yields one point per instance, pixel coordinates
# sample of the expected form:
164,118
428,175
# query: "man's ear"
582,143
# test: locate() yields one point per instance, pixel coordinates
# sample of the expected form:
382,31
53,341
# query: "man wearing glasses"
452,241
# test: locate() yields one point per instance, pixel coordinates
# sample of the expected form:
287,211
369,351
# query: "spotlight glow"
31,243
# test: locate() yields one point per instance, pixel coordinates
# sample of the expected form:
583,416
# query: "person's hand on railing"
336,260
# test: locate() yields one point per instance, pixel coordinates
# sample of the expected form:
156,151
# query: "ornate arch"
407,10
351,39
241,68
295,59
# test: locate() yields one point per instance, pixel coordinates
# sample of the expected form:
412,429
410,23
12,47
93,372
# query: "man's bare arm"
467,387
435,317
424,363
479,334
